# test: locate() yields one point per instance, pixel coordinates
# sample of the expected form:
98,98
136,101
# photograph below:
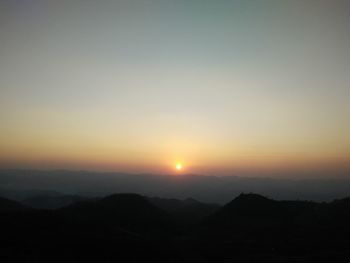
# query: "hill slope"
130,211
7,205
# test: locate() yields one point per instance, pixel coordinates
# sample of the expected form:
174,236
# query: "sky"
222,87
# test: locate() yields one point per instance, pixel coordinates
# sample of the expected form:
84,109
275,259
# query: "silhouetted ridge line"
258,211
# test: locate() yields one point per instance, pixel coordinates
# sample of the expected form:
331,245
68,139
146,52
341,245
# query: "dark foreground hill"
131,228
7,205
130,211
257,211
189,210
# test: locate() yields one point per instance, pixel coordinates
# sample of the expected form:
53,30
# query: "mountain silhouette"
257,217
130,211
248,207
256,208
131,227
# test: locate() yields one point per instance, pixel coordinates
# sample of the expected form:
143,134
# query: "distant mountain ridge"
24,184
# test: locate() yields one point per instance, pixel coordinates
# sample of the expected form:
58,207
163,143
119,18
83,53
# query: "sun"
178,166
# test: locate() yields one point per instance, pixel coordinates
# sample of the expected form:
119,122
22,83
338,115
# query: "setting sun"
178,166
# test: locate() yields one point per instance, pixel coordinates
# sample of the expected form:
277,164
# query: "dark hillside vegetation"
130,228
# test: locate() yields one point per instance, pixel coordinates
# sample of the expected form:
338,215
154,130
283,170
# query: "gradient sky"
225,87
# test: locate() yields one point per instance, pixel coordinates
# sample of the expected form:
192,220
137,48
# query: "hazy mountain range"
24,184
